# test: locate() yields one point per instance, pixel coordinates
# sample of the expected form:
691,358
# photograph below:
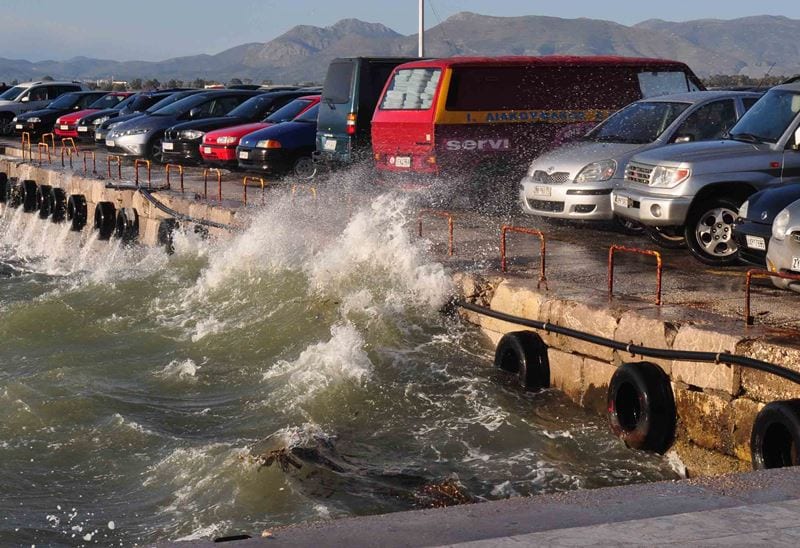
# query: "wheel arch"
739,190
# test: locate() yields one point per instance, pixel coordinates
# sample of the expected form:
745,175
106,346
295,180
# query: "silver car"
783,253
576,180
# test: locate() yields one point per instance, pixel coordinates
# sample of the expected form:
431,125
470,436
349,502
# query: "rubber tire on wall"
126,226
5,187
166,234
524,353
775,439
641,407
77,212
43,200
15,194
105,219
695,214
29,196
58,205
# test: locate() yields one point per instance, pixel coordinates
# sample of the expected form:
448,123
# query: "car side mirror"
195,113
25,99
684,139
796,139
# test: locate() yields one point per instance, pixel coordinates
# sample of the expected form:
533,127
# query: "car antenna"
764,79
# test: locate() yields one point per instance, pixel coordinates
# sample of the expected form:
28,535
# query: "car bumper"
265,160
750,236
780,256
21,127
650,209
85,133
71,131
218,154
127,145
567,201
180,151
332,158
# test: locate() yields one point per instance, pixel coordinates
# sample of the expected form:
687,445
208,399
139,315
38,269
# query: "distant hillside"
748,46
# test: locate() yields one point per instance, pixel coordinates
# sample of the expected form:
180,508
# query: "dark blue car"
281,149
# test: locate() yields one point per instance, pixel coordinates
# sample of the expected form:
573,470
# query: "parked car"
43,121
85,125
697,188
282,148
783,254
219,147
182,141
31,96
145,103
754,223
349,95
142,136
575,181
477,122
67,125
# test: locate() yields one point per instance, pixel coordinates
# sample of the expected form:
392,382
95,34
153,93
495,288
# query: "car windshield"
68,100
638,123
310,115
107,101
12,93
179,107
125,103
768,119
166,101
288,112
255,108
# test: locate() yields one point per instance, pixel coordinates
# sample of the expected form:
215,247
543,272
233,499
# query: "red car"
219,147
67,125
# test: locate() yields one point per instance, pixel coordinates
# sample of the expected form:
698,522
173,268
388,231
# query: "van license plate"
83,129
109,143
754,242
541,191
330,144
206,150
402,161
622,201
244,155
796,264
19,126
167,146
63,127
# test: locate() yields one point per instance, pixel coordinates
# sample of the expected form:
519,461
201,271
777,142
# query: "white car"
31,96
783,252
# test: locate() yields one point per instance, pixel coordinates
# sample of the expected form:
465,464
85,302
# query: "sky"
153,30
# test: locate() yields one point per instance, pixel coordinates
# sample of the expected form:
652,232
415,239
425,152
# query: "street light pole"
421,28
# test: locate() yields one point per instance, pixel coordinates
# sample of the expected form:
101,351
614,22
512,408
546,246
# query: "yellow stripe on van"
517,116
441,101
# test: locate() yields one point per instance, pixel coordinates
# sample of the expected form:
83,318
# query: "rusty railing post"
86,153
118,161
179,167
139,162
649,252
46,147
760,273
450,227
26,138
542,249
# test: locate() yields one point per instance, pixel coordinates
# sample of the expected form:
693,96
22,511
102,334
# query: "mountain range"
749,46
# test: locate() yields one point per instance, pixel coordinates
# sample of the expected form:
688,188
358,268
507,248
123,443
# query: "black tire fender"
524,353
43,200
105,219
775,439
166,234
77,212
5,188
29,195
641,407
58,204
14,193
127,224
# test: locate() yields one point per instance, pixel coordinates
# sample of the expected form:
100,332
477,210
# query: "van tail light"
351,123
431,160
378,156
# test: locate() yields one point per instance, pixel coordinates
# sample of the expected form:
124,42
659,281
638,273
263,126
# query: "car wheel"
154,151
668,237
304,168
709,231
628,226
6,124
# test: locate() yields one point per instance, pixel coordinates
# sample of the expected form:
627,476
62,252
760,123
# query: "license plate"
207,150
109,143
244,155
63,127
82,129
20,126
754,242
167,146
622,201
330,144
541,191
796,263
402,161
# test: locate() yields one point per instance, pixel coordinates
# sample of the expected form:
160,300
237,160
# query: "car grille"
638,173
557,178
544,205
796,237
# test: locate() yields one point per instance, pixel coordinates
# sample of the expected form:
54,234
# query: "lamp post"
421,28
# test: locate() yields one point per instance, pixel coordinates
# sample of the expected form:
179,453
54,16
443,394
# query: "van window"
411,89
338,82
653,84
535,87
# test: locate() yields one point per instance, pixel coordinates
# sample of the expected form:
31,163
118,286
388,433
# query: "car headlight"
34,120
269,143
597,172
226,140
743,210
780,224
669,177
100,120
14,119
191,134
137,131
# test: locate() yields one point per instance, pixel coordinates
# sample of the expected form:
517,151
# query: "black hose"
180,216
685,355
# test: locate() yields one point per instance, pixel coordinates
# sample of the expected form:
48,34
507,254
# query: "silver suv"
575,181
697,188
31,96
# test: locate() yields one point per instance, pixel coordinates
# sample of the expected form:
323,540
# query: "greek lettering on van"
478,144
525,116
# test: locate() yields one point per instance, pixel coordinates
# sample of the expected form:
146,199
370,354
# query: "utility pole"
421,28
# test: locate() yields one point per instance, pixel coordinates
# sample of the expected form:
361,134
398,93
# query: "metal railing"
542,249
26,138
70,140
68,152
310,188
760,273
659,267
137,163
118,160
168,168
86,154
46,147
206,171
450,226
244,187
52,136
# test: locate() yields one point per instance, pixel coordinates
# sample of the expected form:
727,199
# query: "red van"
469,117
